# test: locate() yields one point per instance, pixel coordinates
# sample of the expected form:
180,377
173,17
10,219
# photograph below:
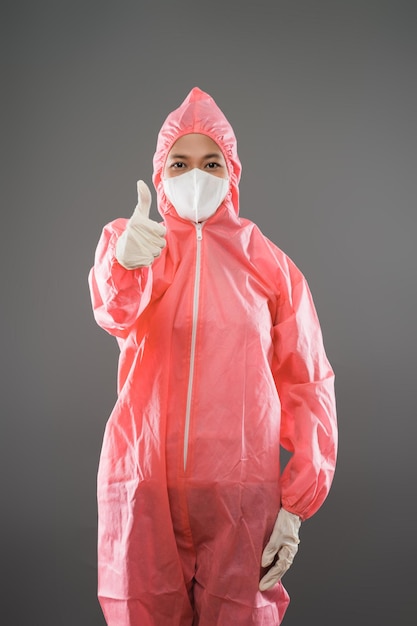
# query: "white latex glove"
284,542
143,239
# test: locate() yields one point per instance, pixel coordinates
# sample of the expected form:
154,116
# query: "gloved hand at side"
143,239
284,542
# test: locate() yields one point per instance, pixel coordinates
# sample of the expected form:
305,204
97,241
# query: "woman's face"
195,151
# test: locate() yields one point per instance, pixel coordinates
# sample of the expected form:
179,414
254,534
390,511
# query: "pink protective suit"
221,361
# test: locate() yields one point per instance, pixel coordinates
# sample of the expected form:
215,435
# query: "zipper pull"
199,229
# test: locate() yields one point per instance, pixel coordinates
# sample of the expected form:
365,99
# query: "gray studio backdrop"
322,96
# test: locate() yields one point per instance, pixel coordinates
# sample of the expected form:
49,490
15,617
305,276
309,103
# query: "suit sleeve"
118,295
305,384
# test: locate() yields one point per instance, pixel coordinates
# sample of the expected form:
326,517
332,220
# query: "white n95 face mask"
196,195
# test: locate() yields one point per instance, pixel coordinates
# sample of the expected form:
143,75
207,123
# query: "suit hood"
197,114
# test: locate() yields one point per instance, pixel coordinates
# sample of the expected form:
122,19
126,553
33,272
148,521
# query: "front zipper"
199,233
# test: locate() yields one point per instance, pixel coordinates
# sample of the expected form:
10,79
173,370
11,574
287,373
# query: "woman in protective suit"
221,363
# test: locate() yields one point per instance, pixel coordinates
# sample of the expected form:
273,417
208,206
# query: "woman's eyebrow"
213,155
178,156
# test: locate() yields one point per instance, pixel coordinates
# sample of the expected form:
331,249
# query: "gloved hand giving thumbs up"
143,239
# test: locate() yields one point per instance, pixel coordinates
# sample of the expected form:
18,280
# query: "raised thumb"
144,198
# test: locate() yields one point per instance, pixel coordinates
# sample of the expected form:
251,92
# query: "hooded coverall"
221,362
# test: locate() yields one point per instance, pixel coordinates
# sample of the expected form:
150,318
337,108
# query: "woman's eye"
212,165
178,165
